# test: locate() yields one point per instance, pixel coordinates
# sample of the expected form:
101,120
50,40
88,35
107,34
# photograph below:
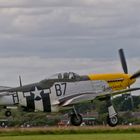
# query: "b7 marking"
60,89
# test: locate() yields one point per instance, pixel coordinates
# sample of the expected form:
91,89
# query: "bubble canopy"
65,75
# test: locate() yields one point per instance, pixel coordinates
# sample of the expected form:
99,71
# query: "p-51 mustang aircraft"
64,90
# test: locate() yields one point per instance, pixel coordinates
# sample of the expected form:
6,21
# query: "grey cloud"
71,22
54,3
41,37
68,48
72,29
41,3
33,69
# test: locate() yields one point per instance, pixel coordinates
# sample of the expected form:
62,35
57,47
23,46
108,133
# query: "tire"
113,121
8,113
76,120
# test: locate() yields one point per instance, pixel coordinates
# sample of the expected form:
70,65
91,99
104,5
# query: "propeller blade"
20,81
135,75
131,97
123,61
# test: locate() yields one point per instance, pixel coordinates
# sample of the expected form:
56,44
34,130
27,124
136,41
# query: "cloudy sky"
42,37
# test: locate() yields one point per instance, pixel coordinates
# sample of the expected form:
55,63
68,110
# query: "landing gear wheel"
76,120
113,121
8,113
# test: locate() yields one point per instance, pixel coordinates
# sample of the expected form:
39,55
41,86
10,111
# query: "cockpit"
65,76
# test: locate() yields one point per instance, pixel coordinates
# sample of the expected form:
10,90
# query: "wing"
4,90
9,90
78,98
16,89
117,92
44,84
26,88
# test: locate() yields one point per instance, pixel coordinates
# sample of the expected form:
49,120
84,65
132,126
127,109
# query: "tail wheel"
8,113
76,119
113,121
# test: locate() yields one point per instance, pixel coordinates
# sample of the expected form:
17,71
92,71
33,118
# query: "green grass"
98,132
69,130
72,133
76,137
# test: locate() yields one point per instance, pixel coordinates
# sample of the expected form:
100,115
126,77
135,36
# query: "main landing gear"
8,113
112,118
75,118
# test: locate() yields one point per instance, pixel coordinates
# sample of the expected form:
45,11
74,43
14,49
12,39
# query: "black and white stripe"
38,102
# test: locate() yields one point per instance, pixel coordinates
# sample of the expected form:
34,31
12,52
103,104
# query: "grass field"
72,133
76,137
69,130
